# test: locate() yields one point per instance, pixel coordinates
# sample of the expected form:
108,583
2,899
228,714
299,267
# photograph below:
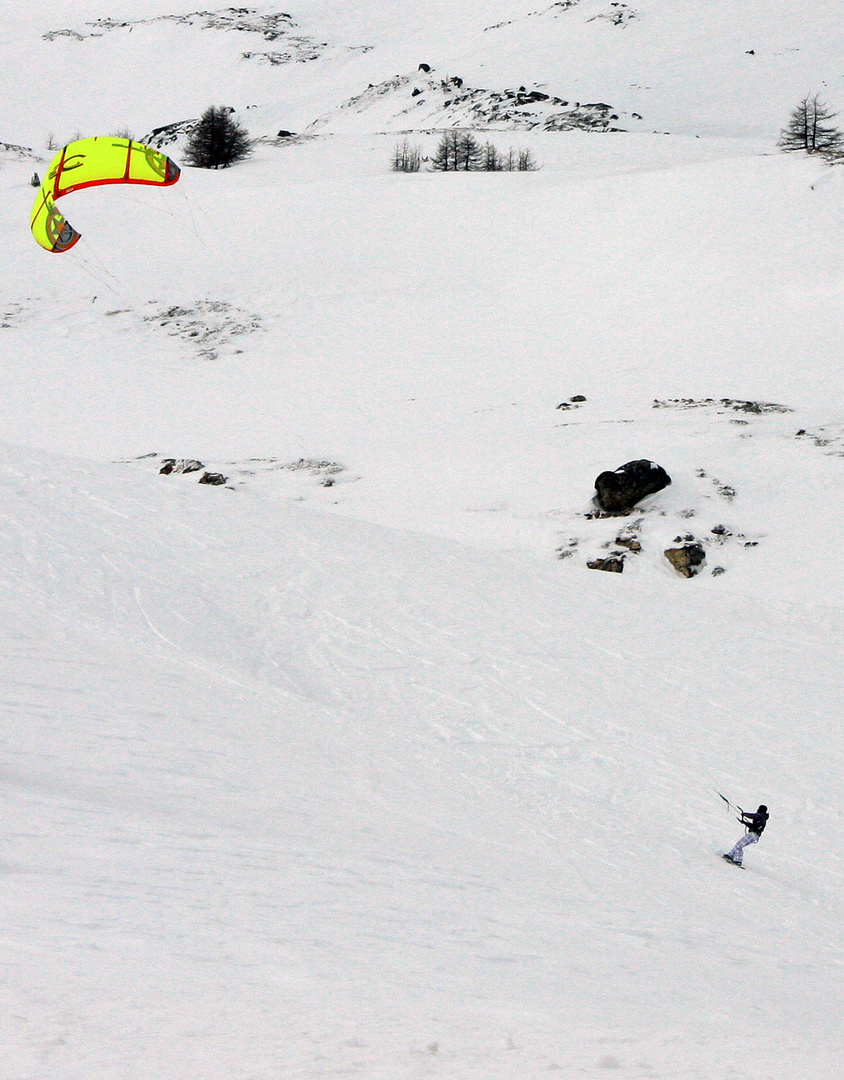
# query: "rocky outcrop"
180,465
424,101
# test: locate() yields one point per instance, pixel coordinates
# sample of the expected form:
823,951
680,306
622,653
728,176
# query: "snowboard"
727,858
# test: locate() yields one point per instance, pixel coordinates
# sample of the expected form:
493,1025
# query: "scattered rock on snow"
15,151
688,557
736,405
629,541
620,490
211,327
613,564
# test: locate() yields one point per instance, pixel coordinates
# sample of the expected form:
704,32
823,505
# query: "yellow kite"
89,163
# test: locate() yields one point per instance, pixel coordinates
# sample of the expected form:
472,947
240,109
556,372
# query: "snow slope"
350,765
346,799
690,68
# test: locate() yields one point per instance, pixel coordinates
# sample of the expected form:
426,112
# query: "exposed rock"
625,540
619,491
18,151
567,548
757,407
167,134
248,20
688,557
613,564
214,478
179,465
449,103
210,327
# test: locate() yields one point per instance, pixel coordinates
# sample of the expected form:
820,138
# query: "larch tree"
217,141
808,128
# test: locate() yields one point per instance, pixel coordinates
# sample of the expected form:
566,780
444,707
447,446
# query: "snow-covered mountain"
348,763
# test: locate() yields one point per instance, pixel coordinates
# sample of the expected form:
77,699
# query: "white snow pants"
740,845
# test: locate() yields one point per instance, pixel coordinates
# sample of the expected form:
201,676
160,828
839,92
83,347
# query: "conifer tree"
469,152
808,129
491,160
458,151
217,141
446,156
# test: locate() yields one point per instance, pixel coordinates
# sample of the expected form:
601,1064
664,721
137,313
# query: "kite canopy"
89,163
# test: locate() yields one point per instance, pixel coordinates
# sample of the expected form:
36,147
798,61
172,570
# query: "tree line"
460,151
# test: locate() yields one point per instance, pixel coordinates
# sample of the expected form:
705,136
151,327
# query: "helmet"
762,809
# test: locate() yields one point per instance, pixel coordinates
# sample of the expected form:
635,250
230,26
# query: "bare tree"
808,130
217,141
491,159
406,158
526,162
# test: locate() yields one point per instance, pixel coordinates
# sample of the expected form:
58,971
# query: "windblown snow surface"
349,765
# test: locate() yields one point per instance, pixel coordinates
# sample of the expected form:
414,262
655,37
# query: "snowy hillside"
344,761
690,68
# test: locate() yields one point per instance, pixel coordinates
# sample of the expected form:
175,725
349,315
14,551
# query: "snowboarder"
754,824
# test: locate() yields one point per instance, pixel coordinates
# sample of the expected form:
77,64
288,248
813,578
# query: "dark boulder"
619,491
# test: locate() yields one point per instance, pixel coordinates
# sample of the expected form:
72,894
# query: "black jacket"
755,822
